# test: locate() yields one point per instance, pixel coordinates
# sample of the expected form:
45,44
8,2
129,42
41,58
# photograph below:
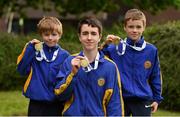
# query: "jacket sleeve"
106,50
156,80
24,60
64,81
115,106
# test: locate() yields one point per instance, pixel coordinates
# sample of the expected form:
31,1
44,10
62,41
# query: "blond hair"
135,14
49,24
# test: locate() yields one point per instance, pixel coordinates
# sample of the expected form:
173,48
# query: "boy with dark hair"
89,78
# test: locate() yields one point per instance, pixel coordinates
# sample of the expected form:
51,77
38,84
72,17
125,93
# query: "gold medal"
84,63
38,46
116,41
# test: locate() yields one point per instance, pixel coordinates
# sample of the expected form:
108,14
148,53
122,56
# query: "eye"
138,27
131,26
93,33
46,34
85,33
54,34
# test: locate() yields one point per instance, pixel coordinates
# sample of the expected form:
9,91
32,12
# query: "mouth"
89,43
134,35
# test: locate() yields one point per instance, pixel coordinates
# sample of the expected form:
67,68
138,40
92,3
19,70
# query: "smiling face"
134,29
89,37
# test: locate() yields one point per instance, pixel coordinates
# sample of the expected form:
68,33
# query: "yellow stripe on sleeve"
22,54
106,98
65,85
28,81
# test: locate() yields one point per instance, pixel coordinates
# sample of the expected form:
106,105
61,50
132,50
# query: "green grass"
166,113
13,103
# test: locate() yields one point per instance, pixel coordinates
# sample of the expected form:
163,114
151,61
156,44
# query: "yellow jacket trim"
121,98
64,86
22,54
68,104
119,84
106,98
28,81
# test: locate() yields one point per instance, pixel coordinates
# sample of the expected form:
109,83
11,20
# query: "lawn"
13,103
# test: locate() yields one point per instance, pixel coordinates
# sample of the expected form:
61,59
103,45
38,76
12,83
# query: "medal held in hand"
84,63
38,46
116,41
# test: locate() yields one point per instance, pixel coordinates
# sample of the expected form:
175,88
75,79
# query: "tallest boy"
139,66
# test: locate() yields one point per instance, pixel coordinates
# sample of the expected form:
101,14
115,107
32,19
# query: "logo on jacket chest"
147,64
101,81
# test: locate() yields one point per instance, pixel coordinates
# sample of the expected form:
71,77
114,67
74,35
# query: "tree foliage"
150,5
76,7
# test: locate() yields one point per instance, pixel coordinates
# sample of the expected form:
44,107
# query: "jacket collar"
46,47
139,43
101,59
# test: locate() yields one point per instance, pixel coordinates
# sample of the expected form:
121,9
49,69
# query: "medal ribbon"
43,56
89,67
124,44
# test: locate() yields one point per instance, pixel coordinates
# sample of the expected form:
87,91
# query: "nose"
50,37
89,36
134,29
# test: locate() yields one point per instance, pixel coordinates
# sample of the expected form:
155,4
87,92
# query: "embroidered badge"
147,64
101,81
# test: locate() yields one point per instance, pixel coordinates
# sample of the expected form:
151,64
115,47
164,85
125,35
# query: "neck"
135,41
91,55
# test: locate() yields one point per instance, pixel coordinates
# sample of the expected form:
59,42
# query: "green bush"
165,37
10,46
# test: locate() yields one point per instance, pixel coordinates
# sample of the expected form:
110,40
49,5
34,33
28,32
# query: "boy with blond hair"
138,64
41,61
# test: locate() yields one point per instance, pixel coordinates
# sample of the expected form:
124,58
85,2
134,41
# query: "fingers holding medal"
38,46
84,62
80,61
113,39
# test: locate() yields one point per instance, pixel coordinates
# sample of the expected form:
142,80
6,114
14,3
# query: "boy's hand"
34,41
154,106
38,45
113,39
76,63
110,39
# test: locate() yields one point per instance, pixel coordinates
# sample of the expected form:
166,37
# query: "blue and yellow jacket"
139,70
94,93
41,74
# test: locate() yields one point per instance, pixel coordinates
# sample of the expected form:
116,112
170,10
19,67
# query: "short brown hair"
49,24
92,21
135,14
